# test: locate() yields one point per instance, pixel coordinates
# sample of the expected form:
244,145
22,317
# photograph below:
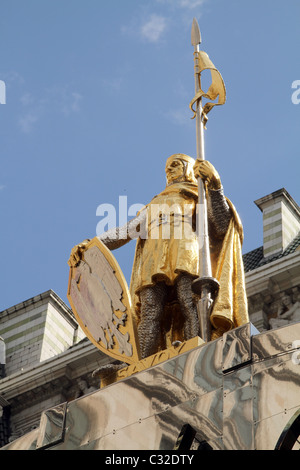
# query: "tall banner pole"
206,287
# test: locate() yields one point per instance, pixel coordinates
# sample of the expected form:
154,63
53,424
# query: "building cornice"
287,266
46,297
80,359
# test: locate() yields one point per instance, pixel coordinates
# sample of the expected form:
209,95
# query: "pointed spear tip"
196,35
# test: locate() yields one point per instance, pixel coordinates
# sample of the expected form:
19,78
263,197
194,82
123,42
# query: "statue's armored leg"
152,304
188,306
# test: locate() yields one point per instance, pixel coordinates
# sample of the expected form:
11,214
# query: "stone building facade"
273,270
46,360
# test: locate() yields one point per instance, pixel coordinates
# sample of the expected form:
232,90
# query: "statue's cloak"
158,259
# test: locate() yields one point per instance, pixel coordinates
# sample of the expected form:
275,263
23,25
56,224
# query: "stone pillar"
4,405
2,358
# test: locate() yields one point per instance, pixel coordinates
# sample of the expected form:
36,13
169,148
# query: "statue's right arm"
115,238
119,236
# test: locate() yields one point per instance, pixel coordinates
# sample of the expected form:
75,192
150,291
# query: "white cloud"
57,99
26,99
155,25
27,122
179,116
190,4
12,78
153,28
2,186
71,103
113,84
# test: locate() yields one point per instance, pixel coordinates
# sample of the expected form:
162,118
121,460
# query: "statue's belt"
174,219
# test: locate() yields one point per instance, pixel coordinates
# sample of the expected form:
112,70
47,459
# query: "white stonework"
265,286
36,330
281,221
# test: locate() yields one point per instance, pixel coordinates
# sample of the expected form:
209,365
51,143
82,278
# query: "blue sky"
97,98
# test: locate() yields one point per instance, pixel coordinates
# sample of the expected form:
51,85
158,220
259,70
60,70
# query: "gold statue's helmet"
188,163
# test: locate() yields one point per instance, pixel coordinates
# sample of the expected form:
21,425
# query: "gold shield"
100,300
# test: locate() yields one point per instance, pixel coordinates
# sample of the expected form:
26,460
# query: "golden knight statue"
167,258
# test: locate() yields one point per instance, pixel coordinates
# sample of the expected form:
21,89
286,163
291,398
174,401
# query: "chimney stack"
281,221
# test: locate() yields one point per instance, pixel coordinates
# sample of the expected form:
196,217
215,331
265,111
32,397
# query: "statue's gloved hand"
207,172
76,253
